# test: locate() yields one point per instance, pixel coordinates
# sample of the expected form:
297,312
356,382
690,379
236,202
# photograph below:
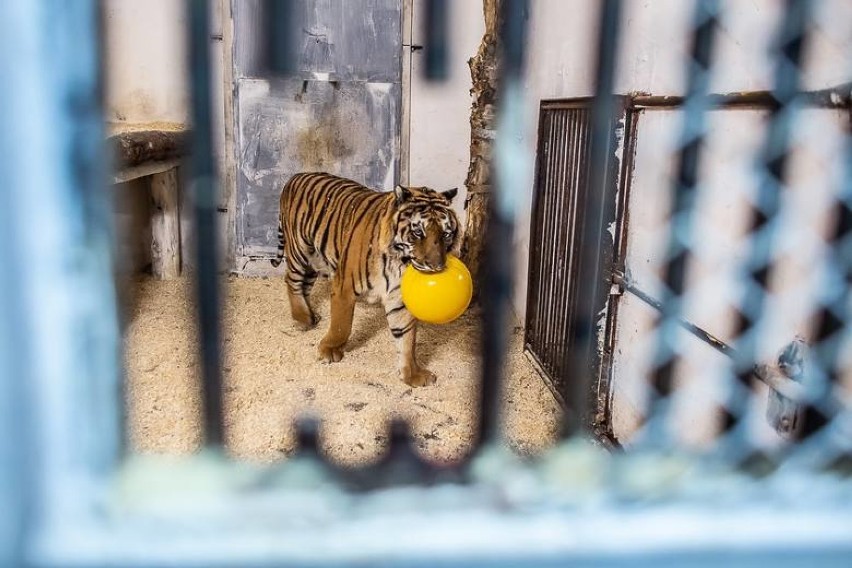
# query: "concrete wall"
147,86
440,111
145,61
147,81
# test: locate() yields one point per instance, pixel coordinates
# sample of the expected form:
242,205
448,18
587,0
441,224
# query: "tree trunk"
483,71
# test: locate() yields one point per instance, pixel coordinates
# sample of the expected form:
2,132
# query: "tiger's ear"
450,194
402,194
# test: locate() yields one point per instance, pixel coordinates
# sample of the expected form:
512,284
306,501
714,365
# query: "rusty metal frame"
602,401
839,97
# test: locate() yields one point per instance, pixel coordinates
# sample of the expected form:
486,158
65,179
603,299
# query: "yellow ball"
438,297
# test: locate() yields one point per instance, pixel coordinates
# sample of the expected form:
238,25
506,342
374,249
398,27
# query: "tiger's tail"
276,262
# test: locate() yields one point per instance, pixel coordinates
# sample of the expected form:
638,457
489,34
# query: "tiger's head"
426,227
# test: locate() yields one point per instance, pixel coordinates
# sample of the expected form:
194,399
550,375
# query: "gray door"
340,113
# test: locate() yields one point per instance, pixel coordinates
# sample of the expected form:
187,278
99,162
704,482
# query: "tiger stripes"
364,239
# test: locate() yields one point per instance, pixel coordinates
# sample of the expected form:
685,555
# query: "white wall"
655,34
147,80
714,281
440,111
146,61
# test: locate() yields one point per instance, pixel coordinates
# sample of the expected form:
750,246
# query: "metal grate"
562,225
560,194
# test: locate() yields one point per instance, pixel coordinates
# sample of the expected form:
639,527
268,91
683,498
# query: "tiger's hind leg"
300,280
342,310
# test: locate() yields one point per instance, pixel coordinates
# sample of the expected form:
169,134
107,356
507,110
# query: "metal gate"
339,111
561,219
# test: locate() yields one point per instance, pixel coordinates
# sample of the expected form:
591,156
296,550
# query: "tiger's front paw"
419,378
329,354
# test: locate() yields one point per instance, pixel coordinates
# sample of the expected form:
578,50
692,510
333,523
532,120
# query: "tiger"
362,239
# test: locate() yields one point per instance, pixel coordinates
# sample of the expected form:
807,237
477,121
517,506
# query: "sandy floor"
271,375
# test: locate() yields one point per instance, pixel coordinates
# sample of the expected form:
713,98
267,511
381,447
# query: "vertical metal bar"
561,259
545,215
554,191
15,426
204,185
402,465
544,193
437,40
535,297
544,223
63,351
569,225
16,439
566,308
765,214
560,160
590,288
308,438
578,218
685,193
835,314
582,181
544,228
578,182
530,320
510,174
280,36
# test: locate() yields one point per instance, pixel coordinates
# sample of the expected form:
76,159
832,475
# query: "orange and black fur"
365,238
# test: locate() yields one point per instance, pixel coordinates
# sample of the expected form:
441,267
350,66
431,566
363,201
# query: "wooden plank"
143,170
229,187
165,225
135,147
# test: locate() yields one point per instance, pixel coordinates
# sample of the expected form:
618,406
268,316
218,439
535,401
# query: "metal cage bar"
681,216
764,218
437,28
509,168
205,198
592,290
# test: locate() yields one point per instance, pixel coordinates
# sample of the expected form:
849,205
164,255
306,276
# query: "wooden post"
483,71
165,225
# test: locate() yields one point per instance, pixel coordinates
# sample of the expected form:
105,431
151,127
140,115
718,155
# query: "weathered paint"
348,130
339,113
345,40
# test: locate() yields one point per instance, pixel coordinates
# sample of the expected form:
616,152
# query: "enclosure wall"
440,111
651,60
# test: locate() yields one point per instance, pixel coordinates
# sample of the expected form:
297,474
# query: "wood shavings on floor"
271,375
